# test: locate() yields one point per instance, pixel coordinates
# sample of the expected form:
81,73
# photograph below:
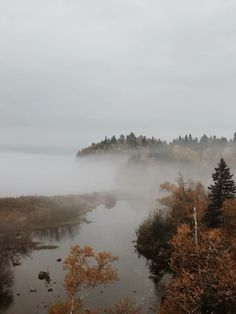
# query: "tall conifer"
223,188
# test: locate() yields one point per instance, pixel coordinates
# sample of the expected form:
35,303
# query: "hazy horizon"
75,72
72,150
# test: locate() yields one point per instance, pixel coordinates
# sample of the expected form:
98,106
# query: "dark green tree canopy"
223,188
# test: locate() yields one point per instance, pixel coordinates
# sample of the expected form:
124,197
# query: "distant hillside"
123,144
184,148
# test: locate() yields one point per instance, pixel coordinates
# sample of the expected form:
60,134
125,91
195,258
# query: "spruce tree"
223,188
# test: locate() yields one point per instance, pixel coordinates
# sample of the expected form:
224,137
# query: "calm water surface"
112,230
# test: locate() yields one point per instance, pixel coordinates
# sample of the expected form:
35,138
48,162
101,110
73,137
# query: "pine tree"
223,188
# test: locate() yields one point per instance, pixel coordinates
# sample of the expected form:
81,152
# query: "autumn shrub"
85,269
201,260
204,274
229,217
125,306
65,308
155,232
180,200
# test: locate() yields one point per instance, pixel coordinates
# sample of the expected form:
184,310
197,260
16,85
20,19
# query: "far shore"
28,213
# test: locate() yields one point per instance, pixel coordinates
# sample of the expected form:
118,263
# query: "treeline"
185,148
194,239
121,144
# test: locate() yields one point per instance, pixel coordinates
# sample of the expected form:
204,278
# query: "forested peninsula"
184,148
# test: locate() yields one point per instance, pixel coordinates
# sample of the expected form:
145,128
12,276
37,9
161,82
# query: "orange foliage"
203,261
125,306
229,216
85,269
182,198
64,308
204,273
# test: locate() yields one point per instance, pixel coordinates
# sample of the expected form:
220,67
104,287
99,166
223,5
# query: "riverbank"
112,230
37,212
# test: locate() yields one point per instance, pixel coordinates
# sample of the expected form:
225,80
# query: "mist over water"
88,221
37,174
40,174
93,77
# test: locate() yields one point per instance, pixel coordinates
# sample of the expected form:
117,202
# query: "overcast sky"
73,71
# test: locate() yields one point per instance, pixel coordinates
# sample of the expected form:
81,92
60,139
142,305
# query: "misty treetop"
121,144
186,148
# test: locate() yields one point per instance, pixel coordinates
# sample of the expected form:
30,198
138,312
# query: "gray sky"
73,71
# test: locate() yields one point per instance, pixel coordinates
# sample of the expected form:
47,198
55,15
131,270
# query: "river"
112,230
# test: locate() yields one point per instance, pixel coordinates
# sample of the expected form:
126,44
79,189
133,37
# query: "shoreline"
28,213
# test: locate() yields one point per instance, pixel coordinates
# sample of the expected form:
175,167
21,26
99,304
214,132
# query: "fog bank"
33,174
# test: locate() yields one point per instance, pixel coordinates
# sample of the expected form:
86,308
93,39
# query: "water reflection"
14,247
28,224
35,213
56,234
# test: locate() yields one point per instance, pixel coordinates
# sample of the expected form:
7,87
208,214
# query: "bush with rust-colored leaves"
204,274
125,306
85,269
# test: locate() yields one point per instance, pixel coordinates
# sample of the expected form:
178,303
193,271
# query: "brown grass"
37,212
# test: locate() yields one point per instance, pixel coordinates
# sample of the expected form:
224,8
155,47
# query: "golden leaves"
87,269
125,306
181,199
202,271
